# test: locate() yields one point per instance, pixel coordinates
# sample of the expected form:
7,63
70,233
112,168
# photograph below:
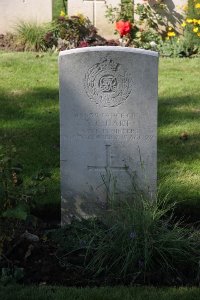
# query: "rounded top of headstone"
109,49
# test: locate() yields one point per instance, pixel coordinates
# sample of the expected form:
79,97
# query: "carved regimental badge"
106,83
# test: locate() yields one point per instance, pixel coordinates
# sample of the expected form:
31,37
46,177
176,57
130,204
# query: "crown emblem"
107,83
108,63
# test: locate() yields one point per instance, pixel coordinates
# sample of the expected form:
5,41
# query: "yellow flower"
198,34
183,24
199,22
195,29
62,13
189,20
197,5
185,7
81,18
170,34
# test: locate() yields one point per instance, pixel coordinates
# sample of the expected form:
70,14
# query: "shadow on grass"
175,119
178,110
29,120
179,150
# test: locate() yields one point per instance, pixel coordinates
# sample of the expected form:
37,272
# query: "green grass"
179,111
29,119
105,293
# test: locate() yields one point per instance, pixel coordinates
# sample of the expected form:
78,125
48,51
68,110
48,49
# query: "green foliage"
177,47
125,11
17,199
193,23
143,239
147,39
12,195
149,15
11,275
145,28
32,34
68,32
19,212
136,241
76,236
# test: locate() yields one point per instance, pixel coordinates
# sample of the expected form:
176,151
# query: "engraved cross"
108,162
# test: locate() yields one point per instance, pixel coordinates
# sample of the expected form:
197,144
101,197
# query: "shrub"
73,30
32,34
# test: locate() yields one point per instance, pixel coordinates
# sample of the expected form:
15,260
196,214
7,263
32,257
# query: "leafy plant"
70,32
177,47
16,196
12,197
11,275
147,39
125,11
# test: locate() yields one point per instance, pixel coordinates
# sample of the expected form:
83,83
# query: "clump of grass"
32,34
145,243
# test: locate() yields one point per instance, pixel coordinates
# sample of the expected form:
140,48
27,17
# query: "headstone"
95,10
108,116
14,11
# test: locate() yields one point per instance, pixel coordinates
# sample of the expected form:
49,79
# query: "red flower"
123,27
83,44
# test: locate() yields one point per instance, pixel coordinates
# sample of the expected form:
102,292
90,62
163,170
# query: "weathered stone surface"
108,113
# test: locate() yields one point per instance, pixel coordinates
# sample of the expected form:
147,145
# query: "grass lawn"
179,113
117,293
29,119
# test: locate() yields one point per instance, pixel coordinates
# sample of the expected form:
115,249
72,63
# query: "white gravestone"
95,10
14,11
108,117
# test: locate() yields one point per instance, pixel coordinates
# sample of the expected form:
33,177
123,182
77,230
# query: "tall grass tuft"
32,34
144,242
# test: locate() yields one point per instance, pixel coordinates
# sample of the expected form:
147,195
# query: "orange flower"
123,27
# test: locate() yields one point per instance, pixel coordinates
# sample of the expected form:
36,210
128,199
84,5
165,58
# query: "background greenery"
58,5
